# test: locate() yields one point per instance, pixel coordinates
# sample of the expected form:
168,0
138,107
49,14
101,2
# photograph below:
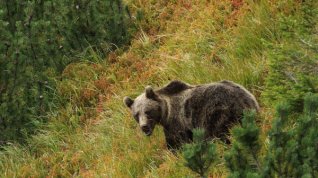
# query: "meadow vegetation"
270,47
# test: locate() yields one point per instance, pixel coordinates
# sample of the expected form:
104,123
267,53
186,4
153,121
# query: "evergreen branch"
30,38
254,155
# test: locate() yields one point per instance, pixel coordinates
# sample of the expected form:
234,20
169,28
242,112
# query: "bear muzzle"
146,125
146,129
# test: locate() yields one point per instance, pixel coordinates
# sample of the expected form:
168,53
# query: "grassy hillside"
93,134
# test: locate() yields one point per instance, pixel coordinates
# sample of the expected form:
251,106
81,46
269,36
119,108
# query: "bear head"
147,109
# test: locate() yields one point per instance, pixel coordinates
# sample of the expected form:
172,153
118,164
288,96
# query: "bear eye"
136,117
148,113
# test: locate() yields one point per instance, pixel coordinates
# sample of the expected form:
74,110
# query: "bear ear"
150,93
128,101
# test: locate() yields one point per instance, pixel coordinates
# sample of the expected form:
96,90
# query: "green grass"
93,133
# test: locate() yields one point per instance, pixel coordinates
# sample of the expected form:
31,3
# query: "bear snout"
146,129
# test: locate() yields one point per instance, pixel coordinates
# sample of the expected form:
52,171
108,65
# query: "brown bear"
180,107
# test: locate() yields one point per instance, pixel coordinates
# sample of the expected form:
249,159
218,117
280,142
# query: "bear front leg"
172,141
175,140
172,145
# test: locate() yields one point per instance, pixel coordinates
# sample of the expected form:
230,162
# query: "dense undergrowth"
269,47
38,40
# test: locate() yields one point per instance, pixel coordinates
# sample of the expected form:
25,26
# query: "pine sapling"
200,154
292,147
293,150
243,159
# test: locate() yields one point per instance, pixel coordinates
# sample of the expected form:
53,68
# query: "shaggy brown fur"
180,107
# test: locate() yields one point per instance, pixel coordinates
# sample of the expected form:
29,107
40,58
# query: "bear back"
174,87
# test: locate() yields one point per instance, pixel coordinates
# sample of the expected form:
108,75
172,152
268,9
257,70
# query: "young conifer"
293,151
292,144
38,39
200,154
242,159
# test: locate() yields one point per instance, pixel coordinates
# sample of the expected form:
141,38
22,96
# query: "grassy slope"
94,135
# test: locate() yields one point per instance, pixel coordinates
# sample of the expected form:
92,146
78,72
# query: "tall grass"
93,134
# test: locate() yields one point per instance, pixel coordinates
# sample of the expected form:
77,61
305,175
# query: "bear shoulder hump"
230,83
227,82
174,87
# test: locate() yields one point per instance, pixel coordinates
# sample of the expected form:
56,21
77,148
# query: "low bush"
290,151
37,40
